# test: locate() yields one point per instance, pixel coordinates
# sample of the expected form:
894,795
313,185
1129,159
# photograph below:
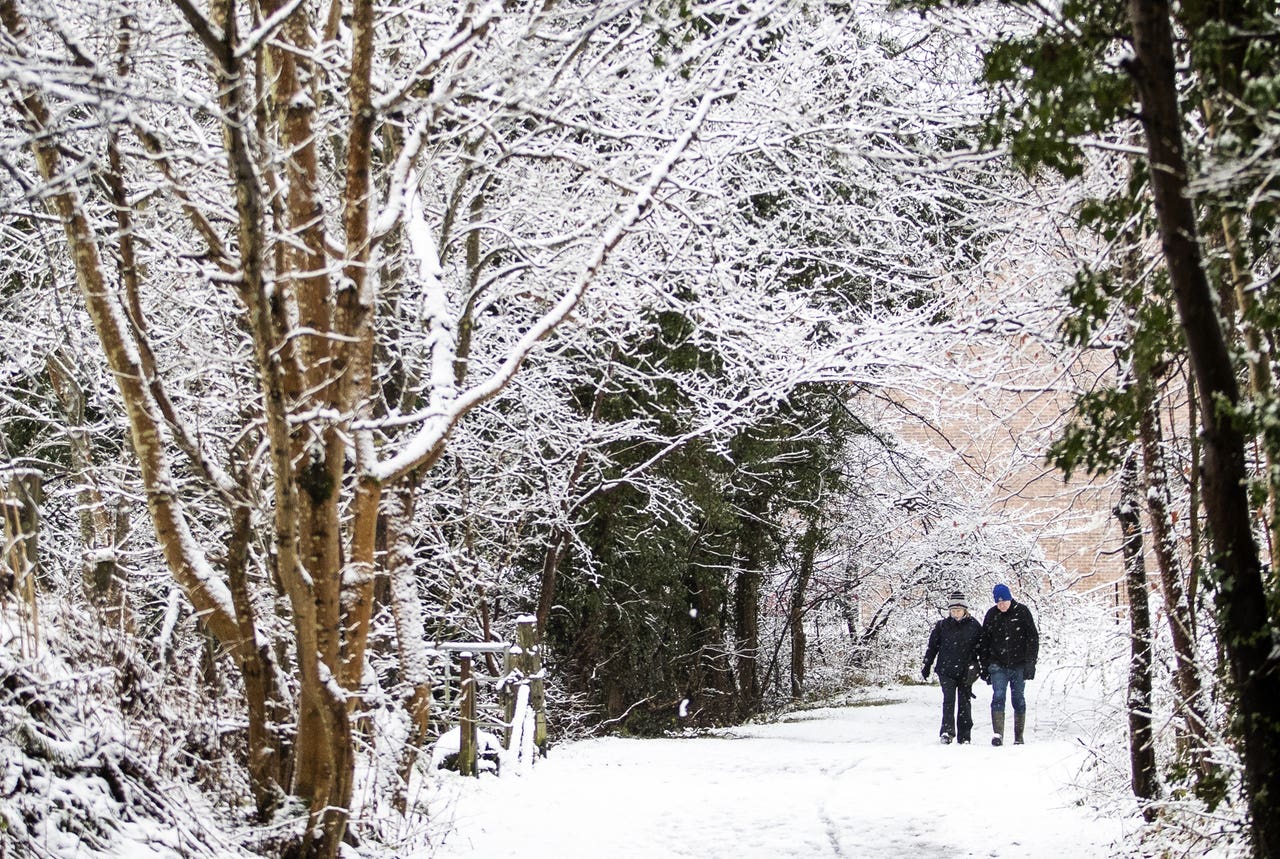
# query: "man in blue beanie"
1009,647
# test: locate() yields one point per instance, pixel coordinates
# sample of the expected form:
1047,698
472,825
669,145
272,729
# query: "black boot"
1019,722
997,727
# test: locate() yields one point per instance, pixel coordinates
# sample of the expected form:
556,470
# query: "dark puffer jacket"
1009,638
955,644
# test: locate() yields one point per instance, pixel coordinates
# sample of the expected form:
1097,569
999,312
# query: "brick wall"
996,434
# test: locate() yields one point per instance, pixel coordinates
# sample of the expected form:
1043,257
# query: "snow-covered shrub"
90,762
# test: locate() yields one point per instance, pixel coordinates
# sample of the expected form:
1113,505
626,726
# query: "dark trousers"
956,710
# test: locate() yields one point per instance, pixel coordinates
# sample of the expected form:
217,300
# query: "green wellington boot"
1019,722
997,727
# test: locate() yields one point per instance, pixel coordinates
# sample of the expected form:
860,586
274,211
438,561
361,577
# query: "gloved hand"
924,673
1029,673
986,676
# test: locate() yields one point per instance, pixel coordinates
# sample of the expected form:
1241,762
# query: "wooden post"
21,529
530,663
508,697
467,721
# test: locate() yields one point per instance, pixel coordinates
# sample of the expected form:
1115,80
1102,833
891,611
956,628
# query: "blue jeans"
1003,677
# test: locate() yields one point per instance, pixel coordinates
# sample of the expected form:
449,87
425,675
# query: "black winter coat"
955,644
1009,638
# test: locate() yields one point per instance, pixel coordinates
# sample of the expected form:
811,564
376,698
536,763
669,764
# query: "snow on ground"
869,781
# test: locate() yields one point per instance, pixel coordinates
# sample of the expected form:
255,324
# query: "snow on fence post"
467,719
21,530
507,687
529,661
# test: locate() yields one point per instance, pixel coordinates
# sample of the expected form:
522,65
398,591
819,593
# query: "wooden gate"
517,710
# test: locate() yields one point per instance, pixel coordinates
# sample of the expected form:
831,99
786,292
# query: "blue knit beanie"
1001,592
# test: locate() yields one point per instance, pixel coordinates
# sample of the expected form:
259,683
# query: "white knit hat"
957,598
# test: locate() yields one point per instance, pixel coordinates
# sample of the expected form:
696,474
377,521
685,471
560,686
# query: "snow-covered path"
864,781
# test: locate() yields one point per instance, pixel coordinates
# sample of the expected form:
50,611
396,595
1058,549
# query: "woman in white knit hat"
954,643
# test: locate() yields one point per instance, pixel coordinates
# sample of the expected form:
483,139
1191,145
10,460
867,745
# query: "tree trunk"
1241,598
1195,542
711,685
21,505
1258,357
269,760
559,540
553,555
411,636
103,577
306,460
353,353
1164,548
747,633
795,620
1222,27
1142,755
747,611
210,599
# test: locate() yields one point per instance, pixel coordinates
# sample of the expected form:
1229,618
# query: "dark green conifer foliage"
662,621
